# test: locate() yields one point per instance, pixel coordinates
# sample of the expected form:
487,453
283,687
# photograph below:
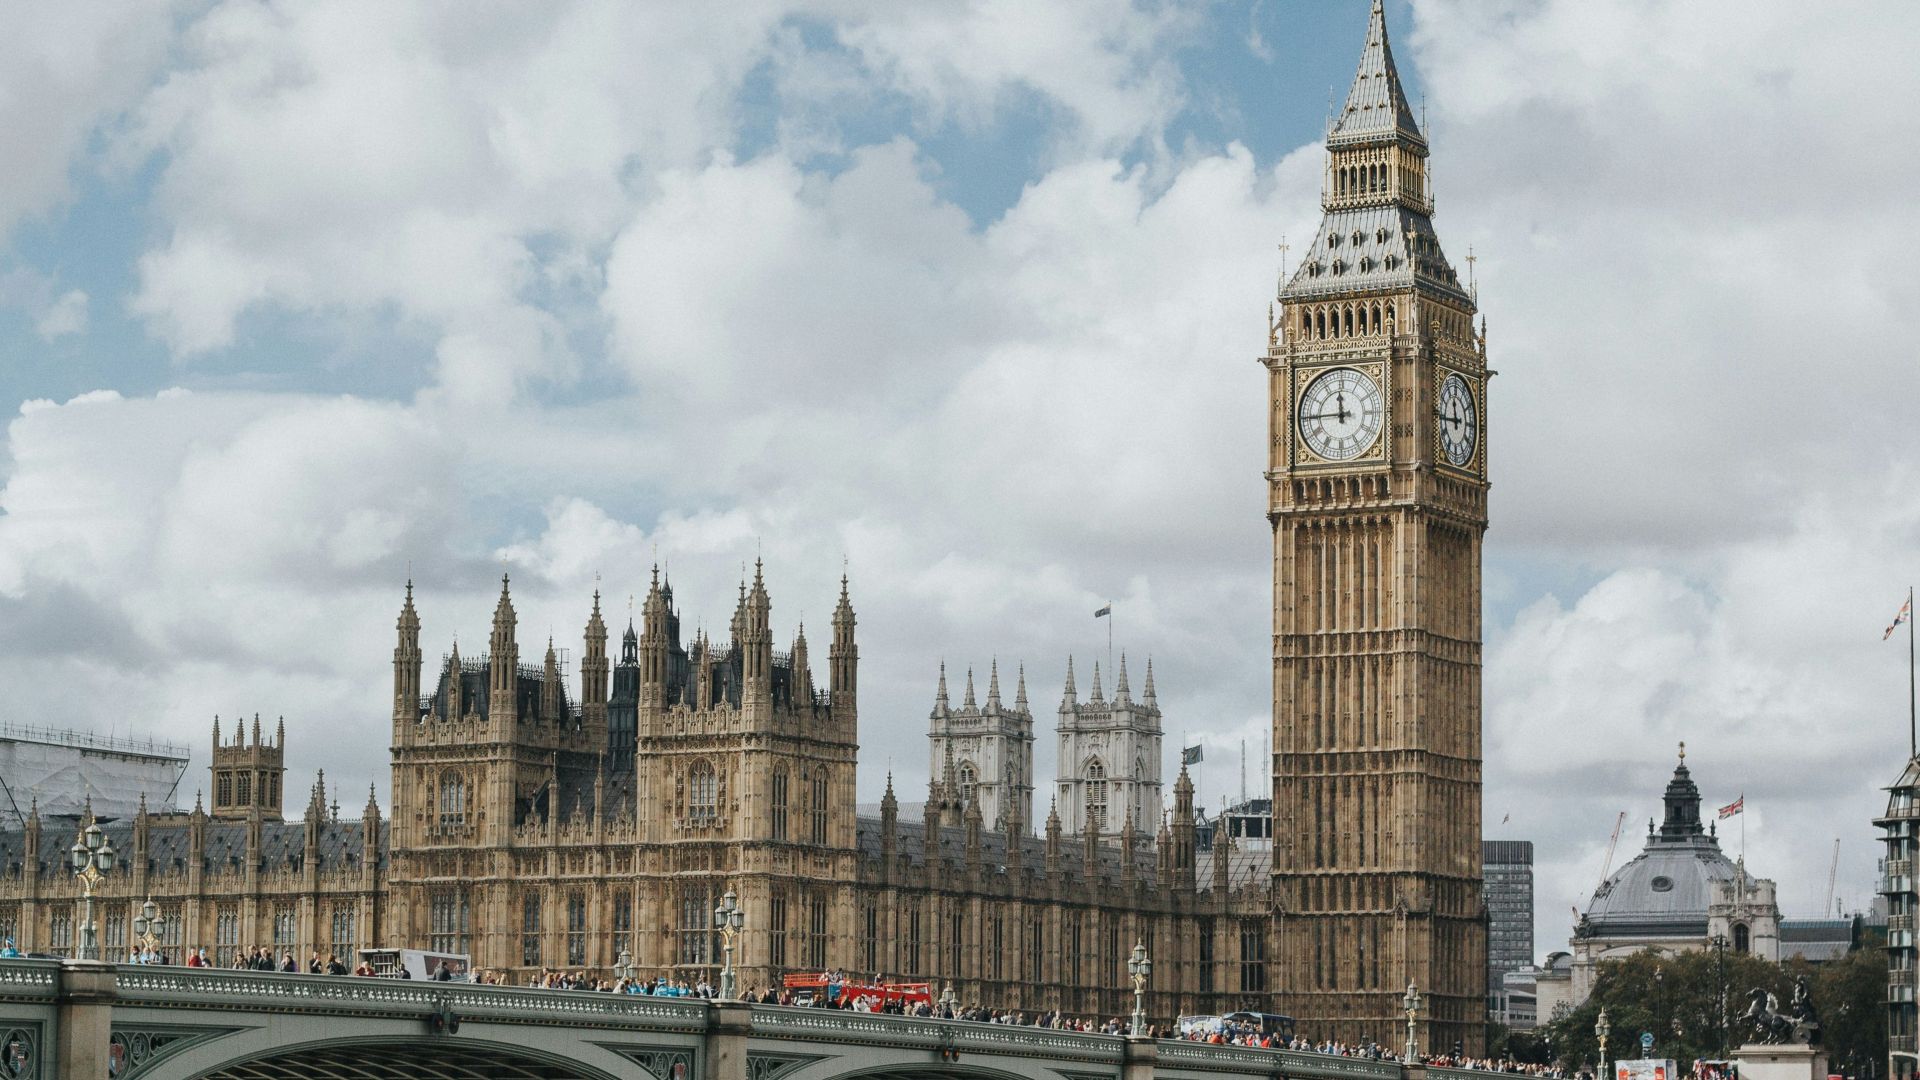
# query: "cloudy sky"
297,299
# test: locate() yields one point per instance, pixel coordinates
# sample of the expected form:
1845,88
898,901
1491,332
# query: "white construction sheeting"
61,769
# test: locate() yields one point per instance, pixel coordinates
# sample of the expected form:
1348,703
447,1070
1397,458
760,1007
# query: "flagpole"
1912,750
1110,670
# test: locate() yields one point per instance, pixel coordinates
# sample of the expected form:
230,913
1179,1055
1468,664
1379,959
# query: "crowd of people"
836,993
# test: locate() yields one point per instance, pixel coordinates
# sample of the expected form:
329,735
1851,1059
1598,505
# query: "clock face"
1459,421
1341,414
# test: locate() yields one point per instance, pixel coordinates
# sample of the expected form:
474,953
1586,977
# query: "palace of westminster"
535,824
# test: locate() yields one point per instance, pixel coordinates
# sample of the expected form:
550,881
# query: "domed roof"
1666,888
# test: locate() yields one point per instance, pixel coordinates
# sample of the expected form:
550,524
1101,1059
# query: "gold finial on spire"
1683,750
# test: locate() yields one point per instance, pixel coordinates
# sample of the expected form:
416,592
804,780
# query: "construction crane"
1612,842
1833,874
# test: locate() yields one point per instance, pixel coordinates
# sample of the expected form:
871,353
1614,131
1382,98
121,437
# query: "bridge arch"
400,1059
931,1071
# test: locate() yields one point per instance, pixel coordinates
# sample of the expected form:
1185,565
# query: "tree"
1850,994
1677,997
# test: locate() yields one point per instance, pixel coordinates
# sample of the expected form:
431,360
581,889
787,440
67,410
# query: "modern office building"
1896,885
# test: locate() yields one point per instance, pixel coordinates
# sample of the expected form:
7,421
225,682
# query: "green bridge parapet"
62,1018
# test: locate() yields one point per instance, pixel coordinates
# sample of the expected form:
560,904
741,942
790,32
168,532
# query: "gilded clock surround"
1304,376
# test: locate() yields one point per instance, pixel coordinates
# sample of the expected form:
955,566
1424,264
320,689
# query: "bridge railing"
1290,1063
29,980
834,1025
223,989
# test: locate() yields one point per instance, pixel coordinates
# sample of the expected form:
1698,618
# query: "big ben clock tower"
1377,482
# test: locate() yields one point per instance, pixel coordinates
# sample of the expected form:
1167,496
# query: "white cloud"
69,68
55,314
67,315
1691,260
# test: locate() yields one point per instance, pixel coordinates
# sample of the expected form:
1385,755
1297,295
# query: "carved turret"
456,693
1185,847
653,646
503,671
594,670
31,842
1053,839
802,684
889,818
757,645
844,658
553,699
1163,855
315,818
406,665
1222,861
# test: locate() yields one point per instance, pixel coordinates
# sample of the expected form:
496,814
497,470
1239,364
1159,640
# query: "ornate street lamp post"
1138,968
92,861
1660,1001
1412,1002
1719,943
146,928
1600,1028
623,969
949,1003
727,919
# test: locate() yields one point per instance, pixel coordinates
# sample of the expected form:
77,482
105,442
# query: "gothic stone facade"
531,832
1377,476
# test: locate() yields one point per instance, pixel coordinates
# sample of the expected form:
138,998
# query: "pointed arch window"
453,800
819,808
1096,777
1742,938
969,783
778,803
703,795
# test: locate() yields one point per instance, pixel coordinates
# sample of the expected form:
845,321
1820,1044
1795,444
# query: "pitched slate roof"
1377,105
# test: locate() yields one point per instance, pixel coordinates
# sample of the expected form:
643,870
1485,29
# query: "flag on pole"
1190,755
1108,610
1734,807
1906,612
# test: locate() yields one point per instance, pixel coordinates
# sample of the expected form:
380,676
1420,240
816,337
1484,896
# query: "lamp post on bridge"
623,970
728,919
1600,1028
92,861
1138,968
1412,1003
147,927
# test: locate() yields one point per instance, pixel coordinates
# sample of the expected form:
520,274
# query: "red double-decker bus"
812,985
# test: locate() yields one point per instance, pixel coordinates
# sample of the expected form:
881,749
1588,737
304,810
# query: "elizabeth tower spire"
1377,496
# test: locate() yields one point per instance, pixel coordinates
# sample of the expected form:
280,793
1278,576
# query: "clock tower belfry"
1377,493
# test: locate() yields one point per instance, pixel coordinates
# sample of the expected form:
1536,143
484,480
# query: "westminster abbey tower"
1378,499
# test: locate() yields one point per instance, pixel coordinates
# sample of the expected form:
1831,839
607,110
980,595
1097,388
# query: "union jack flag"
1906,612
1734,807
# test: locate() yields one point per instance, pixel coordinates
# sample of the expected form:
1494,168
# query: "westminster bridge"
69,1019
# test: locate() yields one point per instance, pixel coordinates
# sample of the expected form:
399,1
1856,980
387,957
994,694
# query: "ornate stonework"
532,832
1377,481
